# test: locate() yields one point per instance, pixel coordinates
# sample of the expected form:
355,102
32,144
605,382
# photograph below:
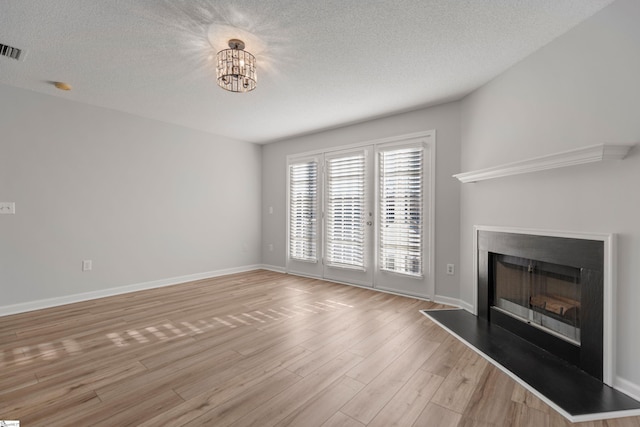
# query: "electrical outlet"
87,265
7,208
451,269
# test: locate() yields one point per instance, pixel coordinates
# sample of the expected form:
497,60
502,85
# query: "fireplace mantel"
590,154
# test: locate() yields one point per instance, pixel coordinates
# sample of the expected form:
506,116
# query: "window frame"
425,217
334,155
318,214
424,286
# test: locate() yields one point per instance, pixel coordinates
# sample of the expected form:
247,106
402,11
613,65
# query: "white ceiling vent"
11,52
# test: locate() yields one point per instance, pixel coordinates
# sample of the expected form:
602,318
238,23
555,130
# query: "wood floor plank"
491,401
623,422
472,422
43,404
436,415
222,411
62,412
341,327
39,396
101,352
444,359
254,348
341,420
460,384
322,356
127,411
382,335
13,382
69,416
324,404
280,406
386,353
525,416
368,402
407,405
556,420
173,352
244,373
189,373
525,397
286,336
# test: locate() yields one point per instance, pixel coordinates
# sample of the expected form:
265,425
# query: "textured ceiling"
321,63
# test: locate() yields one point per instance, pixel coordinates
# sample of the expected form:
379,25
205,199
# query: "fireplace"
544,295
549,290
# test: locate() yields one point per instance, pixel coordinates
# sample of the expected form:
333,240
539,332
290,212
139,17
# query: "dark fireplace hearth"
544,316
548,290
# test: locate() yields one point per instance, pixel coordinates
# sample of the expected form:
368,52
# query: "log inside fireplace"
565,308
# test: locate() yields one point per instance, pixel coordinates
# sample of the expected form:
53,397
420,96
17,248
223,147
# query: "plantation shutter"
345,204
303,207
401,210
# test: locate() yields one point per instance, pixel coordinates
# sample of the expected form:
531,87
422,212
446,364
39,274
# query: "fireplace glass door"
541,294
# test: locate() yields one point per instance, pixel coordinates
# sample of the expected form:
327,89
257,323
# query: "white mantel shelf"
593,153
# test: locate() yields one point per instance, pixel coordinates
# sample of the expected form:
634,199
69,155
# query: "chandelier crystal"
236,68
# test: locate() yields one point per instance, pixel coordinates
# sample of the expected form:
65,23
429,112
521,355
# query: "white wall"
581,89
143,199
445,119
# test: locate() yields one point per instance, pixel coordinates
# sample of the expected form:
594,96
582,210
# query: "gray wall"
581,89
445,119
143,199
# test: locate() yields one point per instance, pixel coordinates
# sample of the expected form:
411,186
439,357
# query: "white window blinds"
345,178
303,210
401,210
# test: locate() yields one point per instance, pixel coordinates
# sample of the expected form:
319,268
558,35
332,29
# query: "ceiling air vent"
11,52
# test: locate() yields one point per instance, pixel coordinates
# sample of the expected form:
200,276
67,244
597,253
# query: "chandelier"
236,68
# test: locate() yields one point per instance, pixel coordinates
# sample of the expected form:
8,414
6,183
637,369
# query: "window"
363,214
303,215
400,195
345,210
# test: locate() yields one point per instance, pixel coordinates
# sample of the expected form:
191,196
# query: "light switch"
7,208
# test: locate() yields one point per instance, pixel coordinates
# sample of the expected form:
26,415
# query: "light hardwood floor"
257,348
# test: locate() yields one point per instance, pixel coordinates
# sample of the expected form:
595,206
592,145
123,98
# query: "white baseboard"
467,307
85,296
440,299
437,298
627,387
273,268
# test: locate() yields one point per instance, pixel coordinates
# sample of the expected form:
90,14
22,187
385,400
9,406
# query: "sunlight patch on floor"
54,350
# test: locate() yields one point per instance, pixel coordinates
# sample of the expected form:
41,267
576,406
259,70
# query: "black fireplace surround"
548,256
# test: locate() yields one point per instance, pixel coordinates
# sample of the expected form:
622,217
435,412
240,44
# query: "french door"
362,215
348,216
404,175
